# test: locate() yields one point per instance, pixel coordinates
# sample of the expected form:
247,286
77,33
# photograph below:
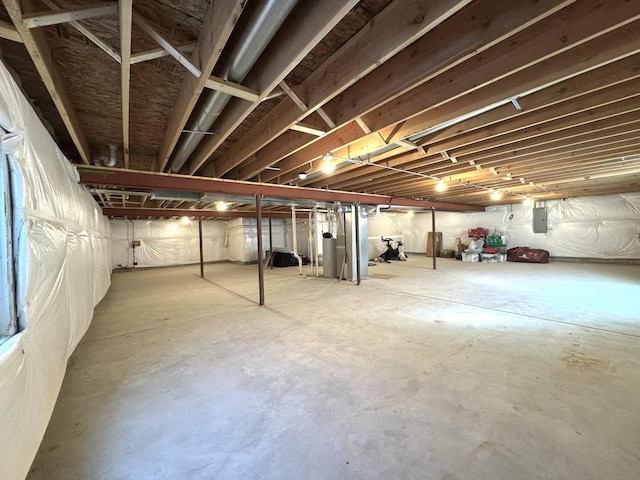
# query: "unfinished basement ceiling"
531,98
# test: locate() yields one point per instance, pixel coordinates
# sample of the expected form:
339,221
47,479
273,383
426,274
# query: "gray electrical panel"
540,220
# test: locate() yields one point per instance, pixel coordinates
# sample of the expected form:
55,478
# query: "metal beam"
138,179
132,212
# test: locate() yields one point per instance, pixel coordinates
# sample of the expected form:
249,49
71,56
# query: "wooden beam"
87,33
156,53
39,50
477,28
216,29
137,179
434,96
9,32
126,13
164,43
312,23
300,127
43,19
594,82
558,165
231,88
585,109
510,71
398,25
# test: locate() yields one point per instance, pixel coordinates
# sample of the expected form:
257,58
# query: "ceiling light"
185,220
527,200
495,195
440,186
221,206
410,213
302,175
328,167
327,157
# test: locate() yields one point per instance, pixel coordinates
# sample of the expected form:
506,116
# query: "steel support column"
260,250
434,240
200,244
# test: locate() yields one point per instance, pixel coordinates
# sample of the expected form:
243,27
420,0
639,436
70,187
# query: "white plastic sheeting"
174,242
62,246
596,227
166,242
242,237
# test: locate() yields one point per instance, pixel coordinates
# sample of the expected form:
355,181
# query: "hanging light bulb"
185,220
327,157
441,186
221,206
328,167
527,200
495,195
302,175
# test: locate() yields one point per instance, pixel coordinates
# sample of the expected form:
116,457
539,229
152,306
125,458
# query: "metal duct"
261,28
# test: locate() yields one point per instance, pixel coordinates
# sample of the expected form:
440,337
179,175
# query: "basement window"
8,317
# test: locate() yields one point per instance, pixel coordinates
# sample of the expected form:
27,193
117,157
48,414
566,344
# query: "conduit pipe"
295,239
265,21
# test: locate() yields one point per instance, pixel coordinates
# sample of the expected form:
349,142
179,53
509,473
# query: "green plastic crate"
493,240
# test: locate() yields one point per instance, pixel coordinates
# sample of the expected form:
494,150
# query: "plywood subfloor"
473,371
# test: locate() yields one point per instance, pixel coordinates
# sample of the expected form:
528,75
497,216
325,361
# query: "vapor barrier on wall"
62,250
175,242
166,242
596,227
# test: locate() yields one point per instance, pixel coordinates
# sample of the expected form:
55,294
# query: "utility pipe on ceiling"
265,21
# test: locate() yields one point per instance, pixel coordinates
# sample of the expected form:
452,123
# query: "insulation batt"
63,254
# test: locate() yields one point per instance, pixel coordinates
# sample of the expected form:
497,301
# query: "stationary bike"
392,253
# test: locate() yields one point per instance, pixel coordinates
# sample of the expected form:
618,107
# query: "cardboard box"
430,243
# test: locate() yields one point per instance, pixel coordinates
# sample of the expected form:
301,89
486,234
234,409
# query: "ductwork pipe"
112,156
261,28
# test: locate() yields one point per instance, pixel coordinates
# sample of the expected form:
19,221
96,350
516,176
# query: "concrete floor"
473,371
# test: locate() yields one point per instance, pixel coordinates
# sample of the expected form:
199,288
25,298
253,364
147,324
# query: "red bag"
528,255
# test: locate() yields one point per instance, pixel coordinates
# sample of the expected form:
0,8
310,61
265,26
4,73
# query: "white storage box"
470,257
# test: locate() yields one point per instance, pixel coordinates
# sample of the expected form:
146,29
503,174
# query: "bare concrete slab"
472,371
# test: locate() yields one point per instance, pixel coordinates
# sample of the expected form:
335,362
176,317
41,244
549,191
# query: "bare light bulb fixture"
328,167
302,175
327,157
527,200
221,206
440,186
495,195
185,220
